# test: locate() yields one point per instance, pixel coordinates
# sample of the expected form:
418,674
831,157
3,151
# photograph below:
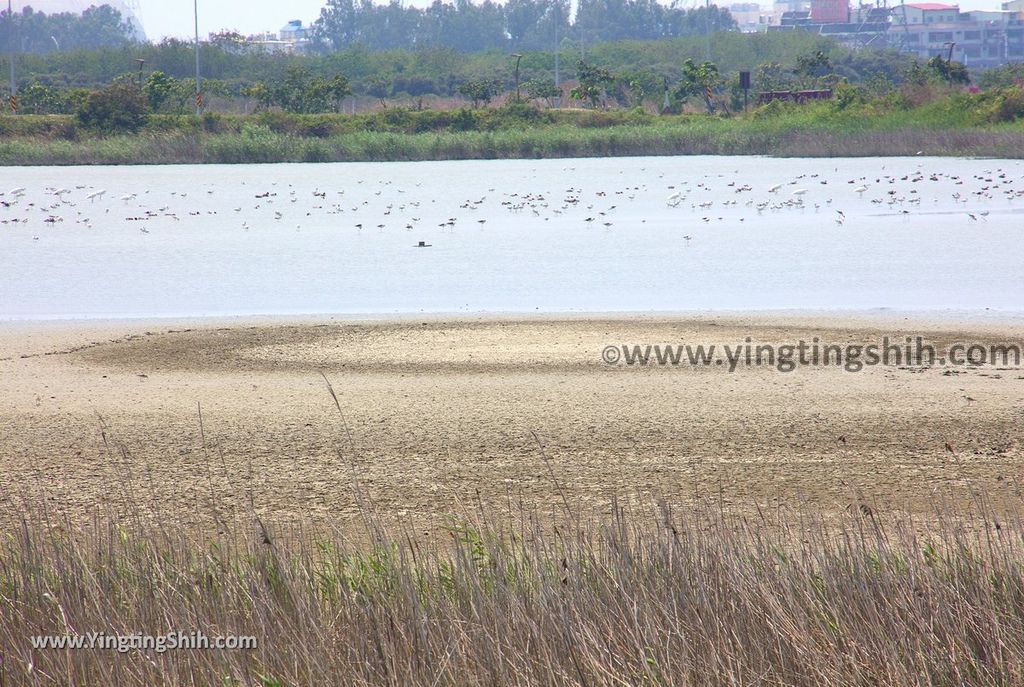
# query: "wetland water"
588,235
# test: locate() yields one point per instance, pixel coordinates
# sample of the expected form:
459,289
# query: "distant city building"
926,13
978,38
1015,6
293,38
830,11
294,32
794,18
748,16
782,7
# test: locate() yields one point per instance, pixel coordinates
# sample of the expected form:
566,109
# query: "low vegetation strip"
645,596
969,126
237,149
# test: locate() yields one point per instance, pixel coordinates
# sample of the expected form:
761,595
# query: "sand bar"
438,412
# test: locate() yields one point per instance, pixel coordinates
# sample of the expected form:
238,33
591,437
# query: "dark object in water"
422,244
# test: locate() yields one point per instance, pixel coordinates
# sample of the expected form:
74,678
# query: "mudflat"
203,420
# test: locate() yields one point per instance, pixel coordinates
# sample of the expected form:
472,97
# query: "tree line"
38,32
616,73
442,72
516,24
126,104
462,25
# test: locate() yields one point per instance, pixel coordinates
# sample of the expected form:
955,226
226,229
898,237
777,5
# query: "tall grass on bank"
655,597
555,142
960,124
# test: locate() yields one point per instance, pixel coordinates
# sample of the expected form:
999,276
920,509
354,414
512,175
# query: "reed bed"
259,144
637,595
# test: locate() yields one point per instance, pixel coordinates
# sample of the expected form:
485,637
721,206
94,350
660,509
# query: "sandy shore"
199,419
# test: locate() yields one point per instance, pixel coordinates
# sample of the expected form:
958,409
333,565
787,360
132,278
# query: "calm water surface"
595,235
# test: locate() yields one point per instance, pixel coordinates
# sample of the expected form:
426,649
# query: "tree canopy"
37,32
517,24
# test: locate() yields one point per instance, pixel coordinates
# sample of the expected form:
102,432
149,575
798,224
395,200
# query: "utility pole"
949,62
558,81
707,26
199,86
14,54
518,57
707,32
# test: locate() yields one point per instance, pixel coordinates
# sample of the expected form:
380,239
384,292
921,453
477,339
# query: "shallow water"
906,242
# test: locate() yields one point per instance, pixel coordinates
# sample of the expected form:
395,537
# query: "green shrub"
846,96
212,123
1007,105
118,108
464,120
775,108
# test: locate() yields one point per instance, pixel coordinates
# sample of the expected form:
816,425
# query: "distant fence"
794,96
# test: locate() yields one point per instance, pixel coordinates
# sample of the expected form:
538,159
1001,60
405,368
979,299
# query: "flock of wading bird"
383,205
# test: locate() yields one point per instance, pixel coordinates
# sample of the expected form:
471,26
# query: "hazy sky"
174,17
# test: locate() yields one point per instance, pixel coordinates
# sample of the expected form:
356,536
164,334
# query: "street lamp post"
142,63
518,58
14,53
707,27
199,87
949,61
558,18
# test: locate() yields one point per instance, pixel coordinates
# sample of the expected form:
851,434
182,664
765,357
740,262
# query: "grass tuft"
643,596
